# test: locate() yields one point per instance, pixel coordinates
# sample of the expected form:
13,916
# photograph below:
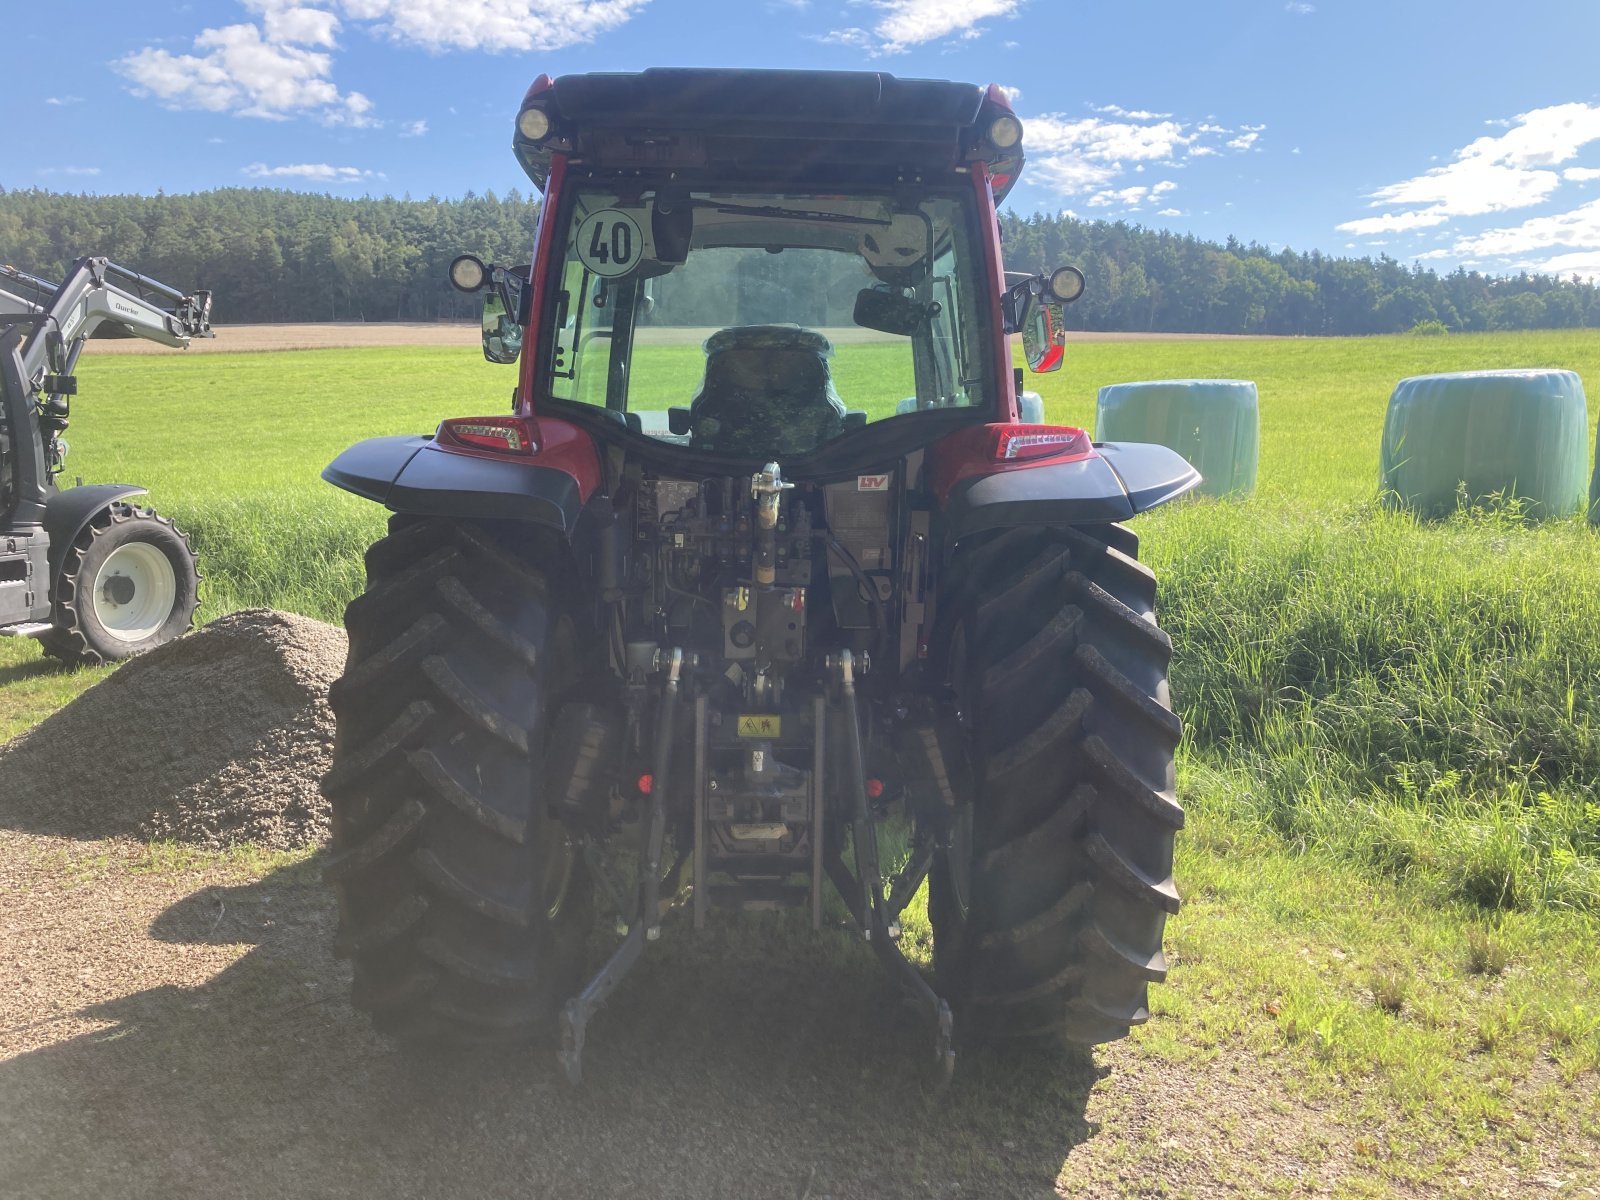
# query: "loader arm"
97,298
43,326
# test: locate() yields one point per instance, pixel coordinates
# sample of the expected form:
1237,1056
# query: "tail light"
1017,443
497,435
981,450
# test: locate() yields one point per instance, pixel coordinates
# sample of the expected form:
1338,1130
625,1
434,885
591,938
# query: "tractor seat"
767,392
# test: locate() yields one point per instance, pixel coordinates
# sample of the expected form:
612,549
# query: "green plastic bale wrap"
1487,436
1214,423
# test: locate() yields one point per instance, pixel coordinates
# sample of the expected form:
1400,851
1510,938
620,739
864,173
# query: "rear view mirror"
1044,335
502,336
672,225
1035,306
889,312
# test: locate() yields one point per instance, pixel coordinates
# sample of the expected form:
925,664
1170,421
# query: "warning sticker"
609,243
760,725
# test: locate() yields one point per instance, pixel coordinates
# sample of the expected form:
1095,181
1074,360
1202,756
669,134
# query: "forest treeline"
272,255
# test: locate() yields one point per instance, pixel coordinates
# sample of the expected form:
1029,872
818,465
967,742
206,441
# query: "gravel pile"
217,737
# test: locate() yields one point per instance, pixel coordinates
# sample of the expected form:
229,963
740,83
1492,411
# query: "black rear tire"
92,592
463,905
1049,909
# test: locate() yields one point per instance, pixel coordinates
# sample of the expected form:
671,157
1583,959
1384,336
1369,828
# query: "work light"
1006,131
533,123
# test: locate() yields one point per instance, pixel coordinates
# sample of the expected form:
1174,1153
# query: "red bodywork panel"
539,278
566,447
971,452
562,446
1006,409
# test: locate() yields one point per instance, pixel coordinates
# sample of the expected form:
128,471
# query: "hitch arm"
646,924
884,942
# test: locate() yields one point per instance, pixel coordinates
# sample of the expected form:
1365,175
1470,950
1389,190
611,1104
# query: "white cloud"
1069,176
1393,223
855,38
1583,262
281,66
1170,212
237,69
69,170
496,26
1105,141
1581,174
61,101
1086,156
1579,228
1137,114
414,128
1492,174
288,22
907,23
1471,187
1012,94
317,172
1244,141
1299,7
1128,197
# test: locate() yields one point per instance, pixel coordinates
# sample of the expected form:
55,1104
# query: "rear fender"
68,513
1117,481
418,476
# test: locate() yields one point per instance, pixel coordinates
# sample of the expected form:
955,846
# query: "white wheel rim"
142,569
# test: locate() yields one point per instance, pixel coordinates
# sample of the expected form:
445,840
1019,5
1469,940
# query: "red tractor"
771,550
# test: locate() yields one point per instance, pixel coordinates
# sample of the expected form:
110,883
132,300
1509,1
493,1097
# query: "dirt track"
234,338
185,1033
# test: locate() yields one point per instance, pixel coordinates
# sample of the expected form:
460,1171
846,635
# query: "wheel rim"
134,592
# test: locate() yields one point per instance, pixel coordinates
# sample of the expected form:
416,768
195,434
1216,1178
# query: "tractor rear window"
765,323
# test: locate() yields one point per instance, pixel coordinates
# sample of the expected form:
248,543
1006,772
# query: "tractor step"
31,629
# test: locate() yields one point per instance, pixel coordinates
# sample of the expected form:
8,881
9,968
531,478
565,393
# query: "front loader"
90,575
772,551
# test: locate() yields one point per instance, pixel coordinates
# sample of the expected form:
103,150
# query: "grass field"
1392,768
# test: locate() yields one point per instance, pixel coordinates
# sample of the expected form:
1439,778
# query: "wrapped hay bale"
1486,437
1214,423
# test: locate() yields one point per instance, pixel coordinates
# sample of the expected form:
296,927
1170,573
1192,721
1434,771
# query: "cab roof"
791,122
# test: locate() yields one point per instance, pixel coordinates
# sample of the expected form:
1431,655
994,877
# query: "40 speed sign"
609,243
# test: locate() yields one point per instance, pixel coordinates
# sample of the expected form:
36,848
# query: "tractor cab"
756,264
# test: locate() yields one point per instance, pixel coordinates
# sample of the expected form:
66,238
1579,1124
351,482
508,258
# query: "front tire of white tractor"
128,583
463,903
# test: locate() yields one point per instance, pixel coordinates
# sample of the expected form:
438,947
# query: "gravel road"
183,1032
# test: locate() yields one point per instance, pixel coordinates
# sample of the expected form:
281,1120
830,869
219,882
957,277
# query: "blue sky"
1446,132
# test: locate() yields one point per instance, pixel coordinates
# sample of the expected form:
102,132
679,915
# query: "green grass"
1393,748
1417,697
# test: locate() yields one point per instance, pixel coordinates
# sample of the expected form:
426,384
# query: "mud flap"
1120,480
